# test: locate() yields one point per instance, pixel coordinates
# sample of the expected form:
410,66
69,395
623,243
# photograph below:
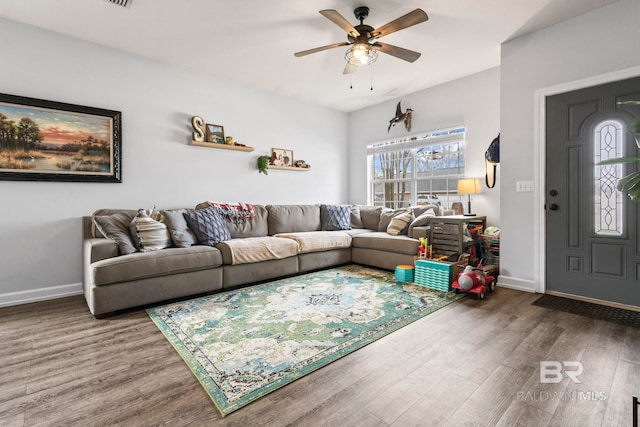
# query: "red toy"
474,281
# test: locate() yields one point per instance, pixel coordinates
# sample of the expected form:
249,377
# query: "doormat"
588,309
245,343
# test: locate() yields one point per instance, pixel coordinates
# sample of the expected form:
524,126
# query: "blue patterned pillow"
335,217
208,225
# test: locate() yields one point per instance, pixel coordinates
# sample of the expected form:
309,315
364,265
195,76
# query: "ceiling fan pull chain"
371,67
351,85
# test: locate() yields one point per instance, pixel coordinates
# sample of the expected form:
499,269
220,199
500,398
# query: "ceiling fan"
362,38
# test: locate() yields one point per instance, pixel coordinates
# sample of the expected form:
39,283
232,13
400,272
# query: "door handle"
553,207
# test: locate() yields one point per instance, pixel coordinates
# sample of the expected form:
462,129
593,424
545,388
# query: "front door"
592,231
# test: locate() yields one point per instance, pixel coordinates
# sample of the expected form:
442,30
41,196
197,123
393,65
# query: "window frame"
413,144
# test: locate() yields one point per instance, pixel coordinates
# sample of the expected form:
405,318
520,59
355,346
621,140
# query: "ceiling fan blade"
320,49
408,20
349,68
335,17
398,52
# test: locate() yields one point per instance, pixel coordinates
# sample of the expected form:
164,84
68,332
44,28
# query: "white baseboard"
517,284
42,294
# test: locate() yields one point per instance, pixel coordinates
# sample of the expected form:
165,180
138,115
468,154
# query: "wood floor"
470,363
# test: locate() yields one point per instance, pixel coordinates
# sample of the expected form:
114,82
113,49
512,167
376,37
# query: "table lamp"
469,186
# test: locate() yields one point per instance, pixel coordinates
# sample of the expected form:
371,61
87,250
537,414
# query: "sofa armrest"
99,249
418,232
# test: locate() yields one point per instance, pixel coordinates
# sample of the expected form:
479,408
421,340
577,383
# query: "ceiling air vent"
122,3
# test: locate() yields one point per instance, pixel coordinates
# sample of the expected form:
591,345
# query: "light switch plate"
524,186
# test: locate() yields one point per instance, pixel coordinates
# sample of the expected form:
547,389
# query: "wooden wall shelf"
221,146
289,168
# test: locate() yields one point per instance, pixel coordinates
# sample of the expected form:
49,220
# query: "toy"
474,281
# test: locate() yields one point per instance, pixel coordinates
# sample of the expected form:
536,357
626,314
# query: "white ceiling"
252,41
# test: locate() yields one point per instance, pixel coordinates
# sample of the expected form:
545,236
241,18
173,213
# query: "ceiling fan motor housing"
361,13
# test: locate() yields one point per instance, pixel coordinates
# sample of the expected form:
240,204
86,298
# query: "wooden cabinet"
447,233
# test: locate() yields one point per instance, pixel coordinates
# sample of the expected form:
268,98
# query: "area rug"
245,343
588,309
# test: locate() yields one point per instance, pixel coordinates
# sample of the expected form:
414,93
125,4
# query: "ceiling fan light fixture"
361,54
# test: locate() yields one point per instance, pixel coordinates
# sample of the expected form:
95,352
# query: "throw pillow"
370,216
356,218
149,234
208,225
423,219
179,231
335,217
386,216
116,228
399,224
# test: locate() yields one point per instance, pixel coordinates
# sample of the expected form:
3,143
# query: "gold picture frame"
215,133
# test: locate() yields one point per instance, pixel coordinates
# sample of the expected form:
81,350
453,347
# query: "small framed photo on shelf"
281,157
215,133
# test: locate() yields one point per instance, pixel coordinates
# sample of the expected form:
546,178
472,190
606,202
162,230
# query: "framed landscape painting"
52,141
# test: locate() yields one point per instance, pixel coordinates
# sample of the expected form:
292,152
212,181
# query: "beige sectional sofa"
274,241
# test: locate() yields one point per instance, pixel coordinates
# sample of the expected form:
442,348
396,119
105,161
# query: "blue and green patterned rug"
245,343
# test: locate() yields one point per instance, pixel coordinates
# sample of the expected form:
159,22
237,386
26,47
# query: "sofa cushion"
370,216
180,233
383,241
399,224
208,225
143,265
335,217
256,249
149,234
116,228
293,218
317,241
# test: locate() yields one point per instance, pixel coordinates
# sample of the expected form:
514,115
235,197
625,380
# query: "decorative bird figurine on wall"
400,116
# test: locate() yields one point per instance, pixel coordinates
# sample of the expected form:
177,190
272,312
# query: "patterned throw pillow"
335,217
149,234
208,225
399,223
116,227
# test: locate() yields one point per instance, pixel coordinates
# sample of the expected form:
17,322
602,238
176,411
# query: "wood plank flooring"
472,363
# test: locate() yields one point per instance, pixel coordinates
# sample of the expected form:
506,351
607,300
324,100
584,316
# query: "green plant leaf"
634,126
619,160
628,183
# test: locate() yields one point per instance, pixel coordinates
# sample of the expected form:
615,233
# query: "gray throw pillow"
179,231
370,216
335,217
208,225
116,228
356,219
421,221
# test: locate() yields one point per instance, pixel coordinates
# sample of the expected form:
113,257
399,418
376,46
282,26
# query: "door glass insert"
609,143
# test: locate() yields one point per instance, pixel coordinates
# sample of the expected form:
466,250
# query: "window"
417,170
609,143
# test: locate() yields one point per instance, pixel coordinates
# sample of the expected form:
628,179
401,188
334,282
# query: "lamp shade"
468,186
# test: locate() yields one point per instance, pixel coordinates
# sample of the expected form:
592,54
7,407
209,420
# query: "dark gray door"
592,232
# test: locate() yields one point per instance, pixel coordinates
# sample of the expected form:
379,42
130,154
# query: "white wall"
600,42
473,101
40,227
